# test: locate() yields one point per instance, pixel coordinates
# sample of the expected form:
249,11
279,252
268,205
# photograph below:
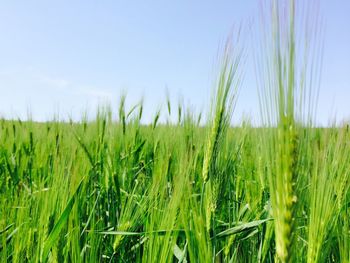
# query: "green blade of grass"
242,227
6,228
54,234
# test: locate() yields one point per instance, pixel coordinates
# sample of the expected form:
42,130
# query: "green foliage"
89,192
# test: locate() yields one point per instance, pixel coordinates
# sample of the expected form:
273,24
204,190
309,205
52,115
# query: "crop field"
192,190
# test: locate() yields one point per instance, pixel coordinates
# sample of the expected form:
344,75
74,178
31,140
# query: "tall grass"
279,88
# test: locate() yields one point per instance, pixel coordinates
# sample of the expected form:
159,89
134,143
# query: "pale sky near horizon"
69,56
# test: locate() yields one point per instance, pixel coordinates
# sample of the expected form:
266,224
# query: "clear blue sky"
69,56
